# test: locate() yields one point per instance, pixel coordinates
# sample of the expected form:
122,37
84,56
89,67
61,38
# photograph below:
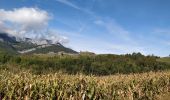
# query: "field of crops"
26,86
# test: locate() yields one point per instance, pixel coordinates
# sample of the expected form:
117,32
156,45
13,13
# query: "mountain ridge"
16,45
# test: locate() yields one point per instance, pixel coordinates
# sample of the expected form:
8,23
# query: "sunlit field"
84,49
58,86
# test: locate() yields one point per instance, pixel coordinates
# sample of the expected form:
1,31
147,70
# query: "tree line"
104,64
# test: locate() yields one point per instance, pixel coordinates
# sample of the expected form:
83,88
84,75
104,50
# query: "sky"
100,26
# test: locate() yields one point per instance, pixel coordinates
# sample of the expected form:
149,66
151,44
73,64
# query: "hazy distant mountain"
7,38
12,44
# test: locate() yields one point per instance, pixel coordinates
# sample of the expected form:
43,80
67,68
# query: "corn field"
27,86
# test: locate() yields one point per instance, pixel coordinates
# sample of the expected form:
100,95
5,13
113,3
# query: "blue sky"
106,26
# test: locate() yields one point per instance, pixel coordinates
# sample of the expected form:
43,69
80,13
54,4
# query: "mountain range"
16,45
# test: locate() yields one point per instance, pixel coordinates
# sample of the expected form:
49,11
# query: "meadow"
136,77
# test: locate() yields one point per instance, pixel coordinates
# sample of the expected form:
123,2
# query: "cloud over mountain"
30,22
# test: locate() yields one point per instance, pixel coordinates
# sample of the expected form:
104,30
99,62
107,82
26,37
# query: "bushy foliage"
105,64
4,57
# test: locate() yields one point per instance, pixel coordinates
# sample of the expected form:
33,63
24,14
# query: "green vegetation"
19,46
165,60
86,77
85,64
4,47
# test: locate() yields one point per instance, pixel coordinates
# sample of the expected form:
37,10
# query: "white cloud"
101,46
30,19
28,22
113,28
5,29
123,40
162,31
68,3
56,37
2,27
98,22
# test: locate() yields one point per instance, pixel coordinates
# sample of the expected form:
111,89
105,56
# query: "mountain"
7,38
15,45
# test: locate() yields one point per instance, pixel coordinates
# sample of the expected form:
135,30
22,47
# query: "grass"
165,60
58,86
